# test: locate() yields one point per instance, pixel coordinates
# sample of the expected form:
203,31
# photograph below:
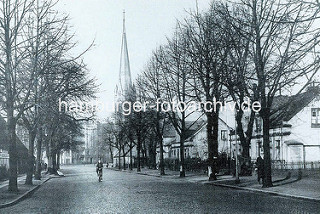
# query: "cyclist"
99,167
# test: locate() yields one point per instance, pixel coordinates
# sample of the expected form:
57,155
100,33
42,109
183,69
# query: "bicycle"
100,175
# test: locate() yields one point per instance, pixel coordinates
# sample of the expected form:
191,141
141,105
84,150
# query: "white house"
66,157
196,140
295,130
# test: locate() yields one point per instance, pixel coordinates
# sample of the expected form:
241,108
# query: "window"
315,118
277,148
223,134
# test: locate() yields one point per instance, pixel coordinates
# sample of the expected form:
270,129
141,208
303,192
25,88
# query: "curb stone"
23,196
246,188
266,191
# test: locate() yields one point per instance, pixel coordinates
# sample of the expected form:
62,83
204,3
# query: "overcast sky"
148,22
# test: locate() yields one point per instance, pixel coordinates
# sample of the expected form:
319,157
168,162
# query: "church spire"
124,75
124,21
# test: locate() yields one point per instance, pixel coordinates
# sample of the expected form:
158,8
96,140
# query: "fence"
296,165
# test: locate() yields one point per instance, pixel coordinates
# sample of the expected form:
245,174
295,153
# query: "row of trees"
37,70
241,49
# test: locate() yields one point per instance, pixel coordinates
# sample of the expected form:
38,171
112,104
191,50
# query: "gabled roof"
169,131
191,126
194,127
286,107
203,125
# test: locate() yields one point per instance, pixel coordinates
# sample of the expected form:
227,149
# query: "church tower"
124,86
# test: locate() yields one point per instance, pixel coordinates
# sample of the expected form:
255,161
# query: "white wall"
301,131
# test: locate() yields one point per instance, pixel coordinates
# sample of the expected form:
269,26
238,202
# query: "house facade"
294,133
22,151
195,145
66,157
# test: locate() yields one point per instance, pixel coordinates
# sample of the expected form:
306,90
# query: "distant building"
90,142
66,157
124,86
103,151
123,92
22,151
294,134
196,144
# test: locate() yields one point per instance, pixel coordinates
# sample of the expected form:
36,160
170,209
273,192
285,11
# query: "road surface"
121,192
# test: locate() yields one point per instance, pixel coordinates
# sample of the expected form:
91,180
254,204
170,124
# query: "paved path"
80,192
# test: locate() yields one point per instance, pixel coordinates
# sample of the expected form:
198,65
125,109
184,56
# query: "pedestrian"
260,166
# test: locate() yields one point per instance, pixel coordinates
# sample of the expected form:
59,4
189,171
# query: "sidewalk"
9,199
190,176
308,187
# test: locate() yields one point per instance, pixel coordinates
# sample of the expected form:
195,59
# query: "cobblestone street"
119,192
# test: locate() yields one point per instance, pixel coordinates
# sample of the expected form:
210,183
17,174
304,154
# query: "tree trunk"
212,135
30,170
119,158
246,146
160,134
124,158
13,157
111,154
266,148
54,161
138,154
265,110
182,165
161,164
38,163
215,132
58,160
131,166
212,176
240,131
145,157
48,154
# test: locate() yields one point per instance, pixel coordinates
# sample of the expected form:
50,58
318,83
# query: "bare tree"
239,77
114,136
284,49
152,81
67,83
172,60
17,80
207,54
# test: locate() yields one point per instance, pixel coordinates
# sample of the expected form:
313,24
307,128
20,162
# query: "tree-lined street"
233,91
121,192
